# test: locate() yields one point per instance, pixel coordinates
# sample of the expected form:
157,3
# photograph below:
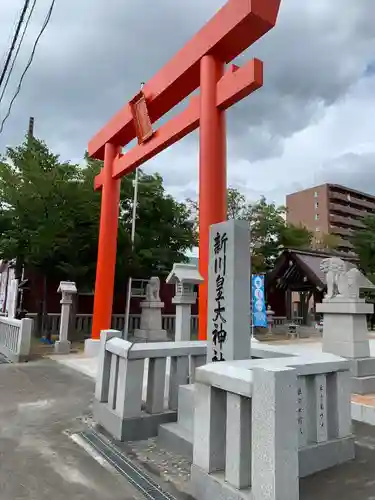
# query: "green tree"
270,234
48,211
237,207
364,246
49,218
326,242
164,228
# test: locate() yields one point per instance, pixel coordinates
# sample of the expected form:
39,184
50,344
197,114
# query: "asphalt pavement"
41,405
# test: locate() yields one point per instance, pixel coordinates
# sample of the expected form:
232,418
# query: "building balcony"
345,222
345,245
353,200
346,209
341,231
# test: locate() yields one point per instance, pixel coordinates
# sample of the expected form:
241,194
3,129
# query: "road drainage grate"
136,476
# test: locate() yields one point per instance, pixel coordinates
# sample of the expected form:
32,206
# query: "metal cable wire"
14,41
18,50
45,24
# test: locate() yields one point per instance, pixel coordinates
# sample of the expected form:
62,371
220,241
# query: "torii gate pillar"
107,245
199,64
212,172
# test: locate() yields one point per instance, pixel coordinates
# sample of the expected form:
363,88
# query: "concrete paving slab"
40,405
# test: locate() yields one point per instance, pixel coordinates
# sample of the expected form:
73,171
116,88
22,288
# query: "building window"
316,204
316,194
316,216
348,197
317,229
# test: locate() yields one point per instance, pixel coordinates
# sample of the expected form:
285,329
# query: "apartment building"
330,209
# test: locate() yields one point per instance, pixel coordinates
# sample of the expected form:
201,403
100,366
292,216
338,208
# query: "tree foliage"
364,246
270,233
49,218
326,242
164,228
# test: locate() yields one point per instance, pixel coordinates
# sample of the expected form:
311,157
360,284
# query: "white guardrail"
15,338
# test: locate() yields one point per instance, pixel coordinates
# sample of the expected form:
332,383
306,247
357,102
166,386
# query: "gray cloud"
95,54
354,169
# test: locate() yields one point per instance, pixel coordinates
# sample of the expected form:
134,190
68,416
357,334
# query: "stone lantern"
184,277
67,290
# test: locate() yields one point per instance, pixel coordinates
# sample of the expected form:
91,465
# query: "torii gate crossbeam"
201,63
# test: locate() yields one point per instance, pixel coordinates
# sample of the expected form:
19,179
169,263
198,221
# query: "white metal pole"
129,287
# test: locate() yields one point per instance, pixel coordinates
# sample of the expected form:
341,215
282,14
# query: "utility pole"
30,133
129,287
20,268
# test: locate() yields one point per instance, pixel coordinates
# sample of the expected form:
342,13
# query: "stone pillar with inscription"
228,325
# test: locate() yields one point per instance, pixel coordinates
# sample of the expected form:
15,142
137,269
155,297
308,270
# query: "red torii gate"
201,64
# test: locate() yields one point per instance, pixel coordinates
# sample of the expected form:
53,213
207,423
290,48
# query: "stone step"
362,367
363,385
186,407
177,439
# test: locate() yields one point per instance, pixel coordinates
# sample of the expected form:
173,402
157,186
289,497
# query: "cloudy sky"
312,121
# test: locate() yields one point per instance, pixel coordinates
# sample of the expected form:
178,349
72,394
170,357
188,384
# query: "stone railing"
282,320
15,338
261,424
137,384
83,323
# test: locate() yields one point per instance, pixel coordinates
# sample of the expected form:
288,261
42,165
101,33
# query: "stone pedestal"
92,348
345,334
62,347
151,325
345,327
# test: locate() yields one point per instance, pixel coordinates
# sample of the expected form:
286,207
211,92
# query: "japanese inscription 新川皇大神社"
219,332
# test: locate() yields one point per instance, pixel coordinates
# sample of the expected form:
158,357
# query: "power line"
45,24
18,50
14,41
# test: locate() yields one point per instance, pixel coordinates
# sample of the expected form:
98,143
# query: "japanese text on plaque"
219,333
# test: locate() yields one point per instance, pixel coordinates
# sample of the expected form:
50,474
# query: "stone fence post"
67,289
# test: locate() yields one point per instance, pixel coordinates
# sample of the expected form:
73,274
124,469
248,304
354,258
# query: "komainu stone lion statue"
340,281
153,290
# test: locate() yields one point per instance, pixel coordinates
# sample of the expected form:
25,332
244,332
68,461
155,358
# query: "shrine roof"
184,273
295,265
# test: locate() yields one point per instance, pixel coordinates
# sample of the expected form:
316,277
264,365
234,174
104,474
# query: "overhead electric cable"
14,41
18,50
45,24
